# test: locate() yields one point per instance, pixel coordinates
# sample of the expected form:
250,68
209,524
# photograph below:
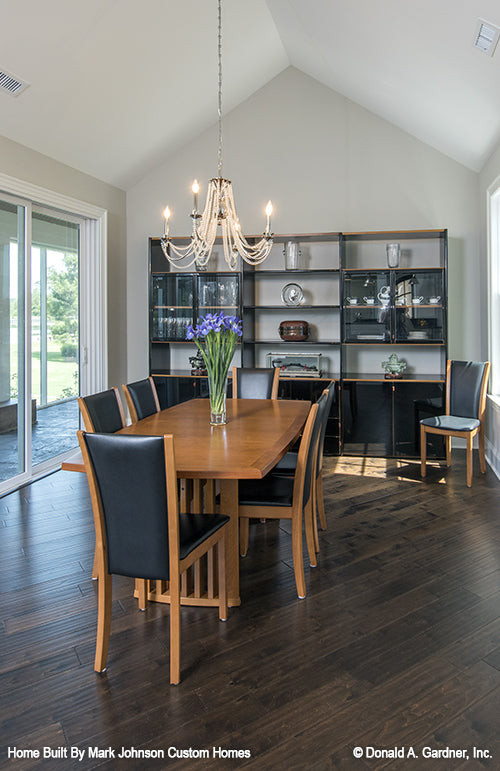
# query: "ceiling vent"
11,84
486,37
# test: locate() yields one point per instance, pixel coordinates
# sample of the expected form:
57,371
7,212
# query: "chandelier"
220,209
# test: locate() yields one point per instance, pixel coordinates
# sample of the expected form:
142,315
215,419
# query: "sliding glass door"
39,338
13,227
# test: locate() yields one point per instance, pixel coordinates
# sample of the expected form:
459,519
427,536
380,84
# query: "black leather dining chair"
255,383
288,464
142,399
102,412
285,497
466,383
139,530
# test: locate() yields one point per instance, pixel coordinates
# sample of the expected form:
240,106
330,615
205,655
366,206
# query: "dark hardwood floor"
396,646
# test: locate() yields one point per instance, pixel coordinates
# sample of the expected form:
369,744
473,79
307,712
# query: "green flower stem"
217,354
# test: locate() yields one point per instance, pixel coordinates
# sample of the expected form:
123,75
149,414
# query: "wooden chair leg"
142,589
95,570
447,444
309,516
469,459
244,524
423,451
221,561
321,501
103,621
175,630
482,455
298,559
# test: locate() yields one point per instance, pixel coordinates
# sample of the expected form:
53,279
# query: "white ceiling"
117,85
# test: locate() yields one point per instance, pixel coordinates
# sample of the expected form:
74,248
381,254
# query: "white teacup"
417,300
369,300
434,300
352,300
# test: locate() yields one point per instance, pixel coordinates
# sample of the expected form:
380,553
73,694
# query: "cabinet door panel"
367,418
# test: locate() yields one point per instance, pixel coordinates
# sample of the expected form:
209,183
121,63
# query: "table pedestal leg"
229,507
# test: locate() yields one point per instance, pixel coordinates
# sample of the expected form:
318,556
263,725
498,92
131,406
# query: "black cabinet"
382,419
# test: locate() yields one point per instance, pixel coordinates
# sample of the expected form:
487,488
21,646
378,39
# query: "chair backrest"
466,388
142,399
330,393
102,412
255,383
306,458
128,480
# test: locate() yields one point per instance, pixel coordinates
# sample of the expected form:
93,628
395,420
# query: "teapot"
384,295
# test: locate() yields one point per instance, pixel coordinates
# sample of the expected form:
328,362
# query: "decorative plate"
292,294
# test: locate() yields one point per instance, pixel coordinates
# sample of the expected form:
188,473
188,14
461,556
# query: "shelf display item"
394,366
292,294
393,252
297,331
292,255
296,364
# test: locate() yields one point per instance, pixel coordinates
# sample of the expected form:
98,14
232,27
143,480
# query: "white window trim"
93,275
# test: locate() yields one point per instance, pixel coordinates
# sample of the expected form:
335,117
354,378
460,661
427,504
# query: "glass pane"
367,307
172,306
12,310
55,335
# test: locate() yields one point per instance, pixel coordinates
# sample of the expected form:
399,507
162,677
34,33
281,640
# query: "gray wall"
27,165
327,164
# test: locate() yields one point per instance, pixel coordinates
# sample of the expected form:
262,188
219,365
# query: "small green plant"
68,351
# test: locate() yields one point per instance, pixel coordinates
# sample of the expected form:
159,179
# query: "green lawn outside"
61,374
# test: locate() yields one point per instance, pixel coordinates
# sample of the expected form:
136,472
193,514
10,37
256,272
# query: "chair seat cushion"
288,464
270,491
451,423
195,528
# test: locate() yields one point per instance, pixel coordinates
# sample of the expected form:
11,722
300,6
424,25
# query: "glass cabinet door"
219,292
420,309
367,307
172,306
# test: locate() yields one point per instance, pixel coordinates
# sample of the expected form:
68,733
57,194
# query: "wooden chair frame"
177,566
87,420
275,385
297,512
130,402
468,435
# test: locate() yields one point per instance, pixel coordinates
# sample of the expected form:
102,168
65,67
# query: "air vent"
486,37
10,83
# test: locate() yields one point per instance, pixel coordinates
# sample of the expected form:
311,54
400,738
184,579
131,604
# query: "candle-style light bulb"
269,211
166,217
196,189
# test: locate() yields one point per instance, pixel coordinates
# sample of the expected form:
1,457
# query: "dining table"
257,434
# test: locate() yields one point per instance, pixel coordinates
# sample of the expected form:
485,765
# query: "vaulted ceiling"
117,85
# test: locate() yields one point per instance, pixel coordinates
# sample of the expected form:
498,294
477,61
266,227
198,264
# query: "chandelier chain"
219,38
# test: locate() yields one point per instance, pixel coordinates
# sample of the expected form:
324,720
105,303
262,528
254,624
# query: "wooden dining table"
256,436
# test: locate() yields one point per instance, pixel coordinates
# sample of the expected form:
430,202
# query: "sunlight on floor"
404,470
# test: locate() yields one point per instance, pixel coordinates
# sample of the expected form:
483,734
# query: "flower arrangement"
216,336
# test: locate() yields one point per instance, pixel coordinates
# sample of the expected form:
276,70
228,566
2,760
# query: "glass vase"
217,396
393,255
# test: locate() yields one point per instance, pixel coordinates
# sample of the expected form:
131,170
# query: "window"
494,286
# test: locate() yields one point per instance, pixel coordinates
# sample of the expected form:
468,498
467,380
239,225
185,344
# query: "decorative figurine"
197,364
393,367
